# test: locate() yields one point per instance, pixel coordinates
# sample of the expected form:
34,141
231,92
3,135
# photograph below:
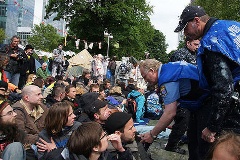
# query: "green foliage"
181,44
2,35
44,37
157,47
221,9
127,20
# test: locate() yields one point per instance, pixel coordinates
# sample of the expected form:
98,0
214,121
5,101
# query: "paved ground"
157,152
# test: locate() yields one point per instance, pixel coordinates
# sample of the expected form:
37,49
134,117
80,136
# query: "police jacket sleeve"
217,71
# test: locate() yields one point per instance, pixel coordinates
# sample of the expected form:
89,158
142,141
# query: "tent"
82,59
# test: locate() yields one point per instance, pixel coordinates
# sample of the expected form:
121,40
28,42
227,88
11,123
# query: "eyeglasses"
105,134
96,91
9,113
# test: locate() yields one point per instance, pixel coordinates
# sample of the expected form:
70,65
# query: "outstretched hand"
146,138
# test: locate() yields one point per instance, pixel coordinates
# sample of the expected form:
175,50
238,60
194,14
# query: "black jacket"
14,63
225,110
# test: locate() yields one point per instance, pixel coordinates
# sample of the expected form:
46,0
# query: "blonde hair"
80,90
30,78
115,89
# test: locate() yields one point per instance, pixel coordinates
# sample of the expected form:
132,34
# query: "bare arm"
163,122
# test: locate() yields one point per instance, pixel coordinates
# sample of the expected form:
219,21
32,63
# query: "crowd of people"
48,115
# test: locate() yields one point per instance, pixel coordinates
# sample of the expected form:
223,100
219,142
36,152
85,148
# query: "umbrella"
75,71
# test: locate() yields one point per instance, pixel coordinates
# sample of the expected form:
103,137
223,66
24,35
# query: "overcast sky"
165,18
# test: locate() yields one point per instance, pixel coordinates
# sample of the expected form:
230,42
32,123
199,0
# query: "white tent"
83,59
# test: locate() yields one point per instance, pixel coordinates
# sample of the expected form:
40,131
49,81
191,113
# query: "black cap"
97,104
188,14
116,121
88,98
28,47
94,107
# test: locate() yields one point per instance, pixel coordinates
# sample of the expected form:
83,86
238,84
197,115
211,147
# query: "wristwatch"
153,137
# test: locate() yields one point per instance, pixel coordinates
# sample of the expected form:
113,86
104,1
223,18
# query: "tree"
127,20
222,9
2,35
157,47
44,37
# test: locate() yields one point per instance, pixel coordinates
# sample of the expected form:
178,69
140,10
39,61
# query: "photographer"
28,65
15,53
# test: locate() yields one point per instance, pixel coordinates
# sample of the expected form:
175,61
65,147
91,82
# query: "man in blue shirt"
178,83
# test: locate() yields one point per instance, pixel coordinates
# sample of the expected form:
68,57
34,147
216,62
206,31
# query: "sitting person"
98,111
39,82
57,95
227,146
30,79
4,61
116,99
59,125
153,107
83,81
138,96
43,71
93,146
94,88
131,85
11,138
71,96
31,113
121,123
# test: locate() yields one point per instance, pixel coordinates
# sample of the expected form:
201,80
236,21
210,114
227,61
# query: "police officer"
178,83
218,61
188,54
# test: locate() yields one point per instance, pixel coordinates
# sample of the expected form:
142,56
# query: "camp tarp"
83,59
75,71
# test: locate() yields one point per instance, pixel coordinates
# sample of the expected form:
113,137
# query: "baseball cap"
188,14
94,107
88,98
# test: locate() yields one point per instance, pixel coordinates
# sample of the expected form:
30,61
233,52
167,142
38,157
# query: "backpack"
131,106
123,69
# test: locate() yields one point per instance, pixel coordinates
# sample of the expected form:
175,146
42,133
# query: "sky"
165,18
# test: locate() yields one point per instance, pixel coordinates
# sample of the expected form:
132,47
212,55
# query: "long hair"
57,117
85,138
30,78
